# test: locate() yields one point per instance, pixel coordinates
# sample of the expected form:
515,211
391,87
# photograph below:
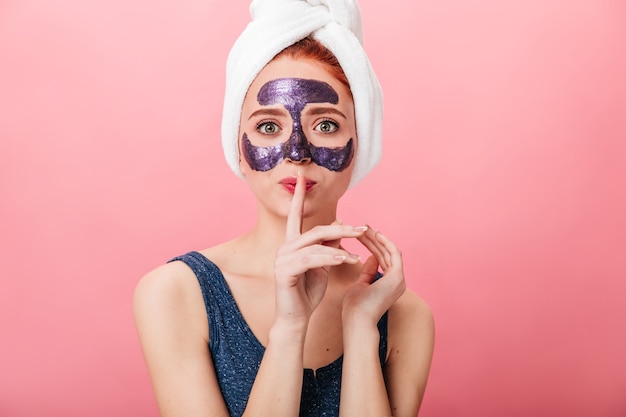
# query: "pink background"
503,181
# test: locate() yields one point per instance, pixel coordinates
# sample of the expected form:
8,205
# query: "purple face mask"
294,94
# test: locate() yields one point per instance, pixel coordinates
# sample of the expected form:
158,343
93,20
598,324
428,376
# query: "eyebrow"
323,110
315,111
268,112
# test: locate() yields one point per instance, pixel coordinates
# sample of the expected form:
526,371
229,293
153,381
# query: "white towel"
277,24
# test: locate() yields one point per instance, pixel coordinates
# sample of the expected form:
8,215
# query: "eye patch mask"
294,94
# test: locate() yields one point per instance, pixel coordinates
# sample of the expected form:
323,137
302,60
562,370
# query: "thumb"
369,271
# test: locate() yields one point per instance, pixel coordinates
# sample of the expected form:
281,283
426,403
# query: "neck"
268,235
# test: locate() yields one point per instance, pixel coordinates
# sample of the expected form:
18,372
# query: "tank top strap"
216,292
219,302
382,330
235,351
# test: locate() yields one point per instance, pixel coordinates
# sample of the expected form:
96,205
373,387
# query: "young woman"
283,321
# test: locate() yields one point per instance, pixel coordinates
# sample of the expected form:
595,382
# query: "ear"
243,166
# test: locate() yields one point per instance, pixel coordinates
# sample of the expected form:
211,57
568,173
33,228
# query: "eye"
268,128
327,126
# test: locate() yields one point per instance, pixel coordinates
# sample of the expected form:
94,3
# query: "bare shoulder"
411,310
165,284
172,291
169,293
173,332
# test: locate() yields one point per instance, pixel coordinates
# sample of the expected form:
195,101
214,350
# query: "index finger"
294,217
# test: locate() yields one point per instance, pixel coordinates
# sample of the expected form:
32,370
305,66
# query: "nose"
297,149
301,160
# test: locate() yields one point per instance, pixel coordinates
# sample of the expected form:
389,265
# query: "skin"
294,94
305,298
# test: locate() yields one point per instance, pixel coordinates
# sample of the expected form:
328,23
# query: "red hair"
309,48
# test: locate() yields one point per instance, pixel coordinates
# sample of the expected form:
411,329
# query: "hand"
368,300
303,262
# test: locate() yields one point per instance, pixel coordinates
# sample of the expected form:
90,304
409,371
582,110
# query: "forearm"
363,391
278,385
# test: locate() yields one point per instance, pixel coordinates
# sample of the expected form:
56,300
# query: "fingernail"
360,228
355,256
340,257
299,173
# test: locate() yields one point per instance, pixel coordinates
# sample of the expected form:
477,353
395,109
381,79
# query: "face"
294,94
296,116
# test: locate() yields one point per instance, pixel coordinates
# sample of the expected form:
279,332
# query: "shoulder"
166,283
411,323
169,294
173,331
411,330
411,309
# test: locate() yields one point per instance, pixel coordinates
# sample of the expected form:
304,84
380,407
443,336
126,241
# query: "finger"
369,270
393,254
392,285
317,256
385,248
395,272
385,253
323,234
368,239
335,242
374,248
294,217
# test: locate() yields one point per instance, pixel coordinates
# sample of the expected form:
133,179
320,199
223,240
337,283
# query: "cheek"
333,159
243,165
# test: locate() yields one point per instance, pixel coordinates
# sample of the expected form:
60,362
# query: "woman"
283,321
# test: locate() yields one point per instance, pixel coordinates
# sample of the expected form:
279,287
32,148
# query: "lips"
290,184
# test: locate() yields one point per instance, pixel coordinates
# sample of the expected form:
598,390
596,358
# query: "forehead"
294,93
285,67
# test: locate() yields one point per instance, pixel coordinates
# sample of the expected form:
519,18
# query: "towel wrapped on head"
277,24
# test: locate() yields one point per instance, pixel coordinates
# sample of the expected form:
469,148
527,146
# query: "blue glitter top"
237,353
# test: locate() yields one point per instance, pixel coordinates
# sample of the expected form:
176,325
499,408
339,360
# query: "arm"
400,386
366,391
173,332
301,276
363,391
411,343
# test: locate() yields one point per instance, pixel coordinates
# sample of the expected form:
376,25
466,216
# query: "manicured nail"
355,256
340,257
360,228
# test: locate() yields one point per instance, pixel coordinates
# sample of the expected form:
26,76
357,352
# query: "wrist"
360,335
287,332
359,319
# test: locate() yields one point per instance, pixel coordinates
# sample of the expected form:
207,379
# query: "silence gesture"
303,262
